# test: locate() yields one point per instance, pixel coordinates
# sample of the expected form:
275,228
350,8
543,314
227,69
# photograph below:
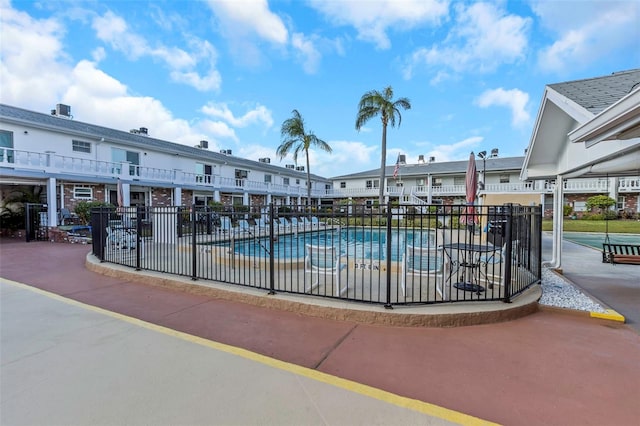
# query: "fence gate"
36,222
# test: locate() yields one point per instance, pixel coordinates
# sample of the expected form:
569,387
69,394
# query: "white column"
613,188
126,194
216,196
268,198
429,189
245,198
177,196
52,206
558,222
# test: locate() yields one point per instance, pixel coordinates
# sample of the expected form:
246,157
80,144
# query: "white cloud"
34,69
243,17
484,37
219,129
456,151
307,52
588,32
514,99
183,65
372,19
260,114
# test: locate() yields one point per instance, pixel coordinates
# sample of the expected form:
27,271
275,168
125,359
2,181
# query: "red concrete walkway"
546,368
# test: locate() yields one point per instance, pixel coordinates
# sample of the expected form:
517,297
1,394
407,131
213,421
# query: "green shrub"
83,209
567,210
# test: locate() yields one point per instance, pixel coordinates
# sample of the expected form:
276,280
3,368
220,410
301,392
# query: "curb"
436,316
610,315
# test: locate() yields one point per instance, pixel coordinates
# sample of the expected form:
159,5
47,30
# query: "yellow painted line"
381,395
610,314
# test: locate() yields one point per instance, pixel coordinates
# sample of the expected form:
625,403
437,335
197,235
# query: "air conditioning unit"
265,160
300,168
63,110
204,144
402,159
432,159
143,131
225,151
290,166
494,152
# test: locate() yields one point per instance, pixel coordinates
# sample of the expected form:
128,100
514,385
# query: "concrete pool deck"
545,368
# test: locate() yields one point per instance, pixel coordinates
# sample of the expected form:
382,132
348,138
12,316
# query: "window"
343,185
237,200
620,203
436,182
82,193
120,155
327,186
504,178
285,181
6,141
297,181
80,146
459,180
420,182
203,173
579,206
372,184
242,174
267,178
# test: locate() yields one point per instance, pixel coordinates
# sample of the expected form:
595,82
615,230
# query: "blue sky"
231,71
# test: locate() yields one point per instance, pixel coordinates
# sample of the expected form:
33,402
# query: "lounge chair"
225,224
421,262
284,224
121,238
324,260
316,223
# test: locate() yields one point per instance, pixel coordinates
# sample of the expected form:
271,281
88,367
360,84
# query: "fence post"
508,247
272,277
538,216
388,305
138,236
194,254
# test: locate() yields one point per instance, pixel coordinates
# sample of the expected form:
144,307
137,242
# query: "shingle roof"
596,94
436,168
136,140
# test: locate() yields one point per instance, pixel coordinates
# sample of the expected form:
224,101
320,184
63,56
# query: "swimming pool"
595,239
361,243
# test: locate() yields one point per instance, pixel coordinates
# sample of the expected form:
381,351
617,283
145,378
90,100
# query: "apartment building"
71,161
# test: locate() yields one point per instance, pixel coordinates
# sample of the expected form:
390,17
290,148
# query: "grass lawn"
615,226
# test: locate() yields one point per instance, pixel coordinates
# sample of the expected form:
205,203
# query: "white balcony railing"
52,163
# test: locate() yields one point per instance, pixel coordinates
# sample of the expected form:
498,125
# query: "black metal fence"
36,222
393,255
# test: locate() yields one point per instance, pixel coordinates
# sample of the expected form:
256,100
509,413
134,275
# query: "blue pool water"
363,243
595,240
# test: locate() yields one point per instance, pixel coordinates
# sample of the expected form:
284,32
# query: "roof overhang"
621,121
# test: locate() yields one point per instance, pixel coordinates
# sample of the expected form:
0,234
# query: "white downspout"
558,222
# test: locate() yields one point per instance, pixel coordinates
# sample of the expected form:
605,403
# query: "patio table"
467,260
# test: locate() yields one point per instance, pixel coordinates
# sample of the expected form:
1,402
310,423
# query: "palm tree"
296,138
375,103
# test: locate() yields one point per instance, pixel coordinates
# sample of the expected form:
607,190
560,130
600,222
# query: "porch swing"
618,253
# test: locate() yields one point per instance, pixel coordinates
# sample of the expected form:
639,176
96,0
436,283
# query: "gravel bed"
556,291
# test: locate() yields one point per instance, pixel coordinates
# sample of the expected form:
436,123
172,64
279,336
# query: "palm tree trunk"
383,164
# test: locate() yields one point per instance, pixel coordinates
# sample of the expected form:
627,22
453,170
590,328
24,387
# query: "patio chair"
243,226
67,217
225,224
324,260
424,262
493,264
